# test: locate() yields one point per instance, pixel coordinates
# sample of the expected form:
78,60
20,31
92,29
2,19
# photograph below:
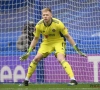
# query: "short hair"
46,9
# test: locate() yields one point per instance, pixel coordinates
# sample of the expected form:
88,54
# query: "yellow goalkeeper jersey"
51,33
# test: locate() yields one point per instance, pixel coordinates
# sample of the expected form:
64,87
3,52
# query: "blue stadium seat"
8,53
7,48
4,44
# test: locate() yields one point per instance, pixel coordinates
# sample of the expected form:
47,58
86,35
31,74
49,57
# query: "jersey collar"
49,24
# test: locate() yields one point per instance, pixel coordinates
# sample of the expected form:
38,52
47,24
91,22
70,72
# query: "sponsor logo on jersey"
46,36
51,34
43,31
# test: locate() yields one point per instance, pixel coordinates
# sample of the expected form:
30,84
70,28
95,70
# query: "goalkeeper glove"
26,55
78,51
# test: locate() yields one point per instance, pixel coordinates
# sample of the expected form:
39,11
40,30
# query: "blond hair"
46,9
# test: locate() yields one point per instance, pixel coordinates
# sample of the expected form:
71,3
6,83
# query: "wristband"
30,49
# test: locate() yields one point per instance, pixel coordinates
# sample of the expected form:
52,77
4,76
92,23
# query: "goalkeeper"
51,29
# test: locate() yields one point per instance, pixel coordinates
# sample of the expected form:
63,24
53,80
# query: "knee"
61,58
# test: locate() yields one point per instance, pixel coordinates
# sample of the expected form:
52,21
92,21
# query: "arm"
72,42
33,44
70,39
64,31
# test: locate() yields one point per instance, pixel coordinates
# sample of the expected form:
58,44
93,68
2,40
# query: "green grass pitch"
50,87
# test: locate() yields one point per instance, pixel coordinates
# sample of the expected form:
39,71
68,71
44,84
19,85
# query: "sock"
31,69
27,79
68,69
72,78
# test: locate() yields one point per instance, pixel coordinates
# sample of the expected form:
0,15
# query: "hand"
24,57
82,54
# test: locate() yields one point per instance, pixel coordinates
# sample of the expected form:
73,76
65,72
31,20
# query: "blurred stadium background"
81,17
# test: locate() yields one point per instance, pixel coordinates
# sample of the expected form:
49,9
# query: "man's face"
46,15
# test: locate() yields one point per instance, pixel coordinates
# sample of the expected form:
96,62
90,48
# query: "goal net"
81,17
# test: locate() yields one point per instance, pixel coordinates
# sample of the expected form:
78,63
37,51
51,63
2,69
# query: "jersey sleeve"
36,31
63,29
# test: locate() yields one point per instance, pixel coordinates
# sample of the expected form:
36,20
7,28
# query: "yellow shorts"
58,47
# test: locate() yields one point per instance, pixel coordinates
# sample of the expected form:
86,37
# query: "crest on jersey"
53,30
